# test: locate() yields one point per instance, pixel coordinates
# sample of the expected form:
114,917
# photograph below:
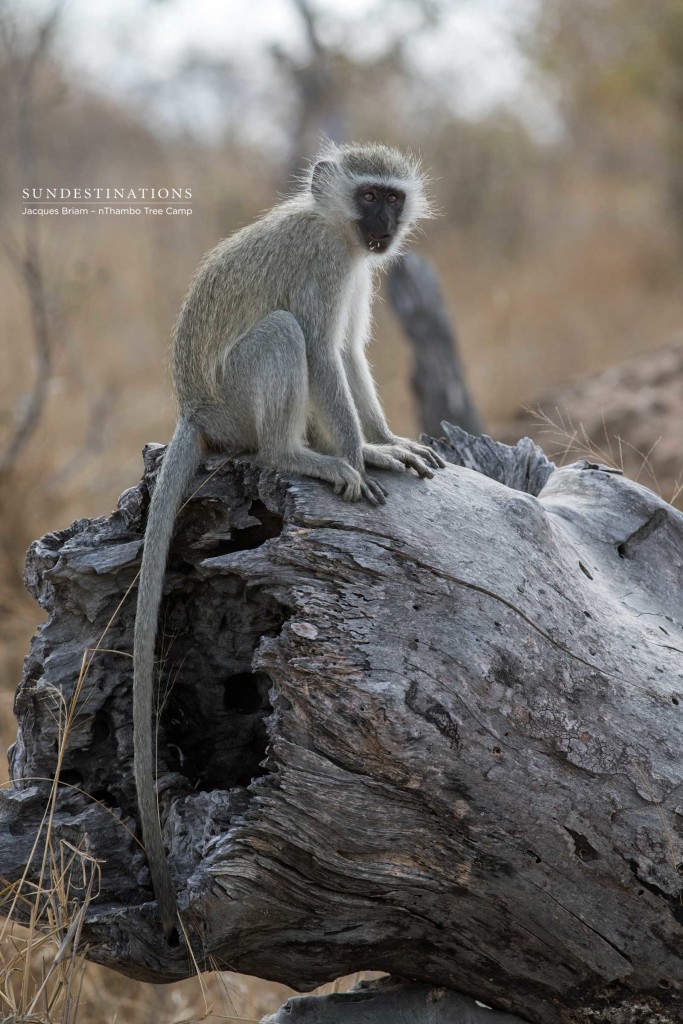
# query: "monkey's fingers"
373,456
373,491
352,492
409,458
428,454
373,496
433,458
393,464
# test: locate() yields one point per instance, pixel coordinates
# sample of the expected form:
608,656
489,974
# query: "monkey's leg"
266,377
383,448
317,437
319,440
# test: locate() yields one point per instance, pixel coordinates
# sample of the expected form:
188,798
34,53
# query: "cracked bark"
441,738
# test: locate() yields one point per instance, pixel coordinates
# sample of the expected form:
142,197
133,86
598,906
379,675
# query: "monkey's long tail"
181,461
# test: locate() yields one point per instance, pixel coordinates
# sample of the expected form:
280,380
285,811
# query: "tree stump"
441,738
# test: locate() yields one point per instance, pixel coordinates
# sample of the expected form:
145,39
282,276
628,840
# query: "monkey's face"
379,214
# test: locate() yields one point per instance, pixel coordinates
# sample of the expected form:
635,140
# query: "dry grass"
46,977
564,442
43,964
47,980
628,417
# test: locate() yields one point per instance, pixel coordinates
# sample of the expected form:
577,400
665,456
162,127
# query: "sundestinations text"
129,194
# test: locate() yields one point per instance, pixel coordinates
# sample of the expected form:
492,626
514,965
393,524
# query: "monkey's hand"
403,454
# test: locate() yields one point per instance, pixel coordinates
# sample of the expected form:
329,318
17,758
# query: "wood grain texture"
440,738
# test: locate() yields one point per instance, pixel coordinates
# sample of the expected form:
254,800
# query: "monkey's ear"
322,175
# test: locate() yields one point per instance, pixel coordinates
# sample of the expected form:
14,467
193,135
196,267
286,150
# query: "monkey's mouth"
378,244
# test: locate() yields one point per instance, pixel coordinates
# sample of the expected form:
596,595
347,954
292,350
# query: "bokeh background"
553,130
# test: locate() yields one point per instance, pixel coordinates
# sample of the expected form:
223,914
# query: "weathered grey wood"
438,377
523,466
471,773
388,1002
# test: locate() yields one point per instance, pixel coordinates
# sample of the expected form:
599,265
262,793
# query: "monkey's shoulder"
287,240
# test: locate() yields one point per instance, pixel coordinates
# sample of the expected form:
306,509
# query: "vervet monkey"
269,359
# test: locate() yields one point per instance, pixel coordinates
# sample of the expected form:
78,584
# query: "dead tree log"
441,738
438,377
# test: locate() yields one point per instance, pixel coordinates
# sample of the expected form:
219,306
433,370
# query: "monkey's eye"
369,196
392,199
287,1007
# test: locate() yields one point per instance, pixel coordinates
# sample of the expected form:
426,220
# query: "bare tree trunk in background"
438,376
441,738
320,100
26,258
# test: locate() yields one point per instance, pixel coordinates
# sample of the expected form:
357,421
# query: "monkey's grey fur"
269,359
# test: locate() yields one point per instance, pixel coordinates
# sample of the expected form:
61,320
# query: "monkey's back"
277,263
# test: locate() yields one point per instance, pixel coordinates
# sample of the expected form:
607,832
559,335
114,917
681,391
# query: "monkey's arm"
375,427
383,449
331,396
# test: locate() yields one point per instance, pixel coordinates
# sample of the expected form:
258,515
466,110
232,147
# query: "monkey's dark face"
379,215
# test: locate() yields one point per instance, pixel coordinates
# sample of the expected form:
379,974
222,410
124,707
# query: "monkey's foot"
403,454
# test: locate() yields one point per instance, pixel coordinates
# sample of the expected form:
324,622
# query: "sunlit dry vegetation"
560,254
